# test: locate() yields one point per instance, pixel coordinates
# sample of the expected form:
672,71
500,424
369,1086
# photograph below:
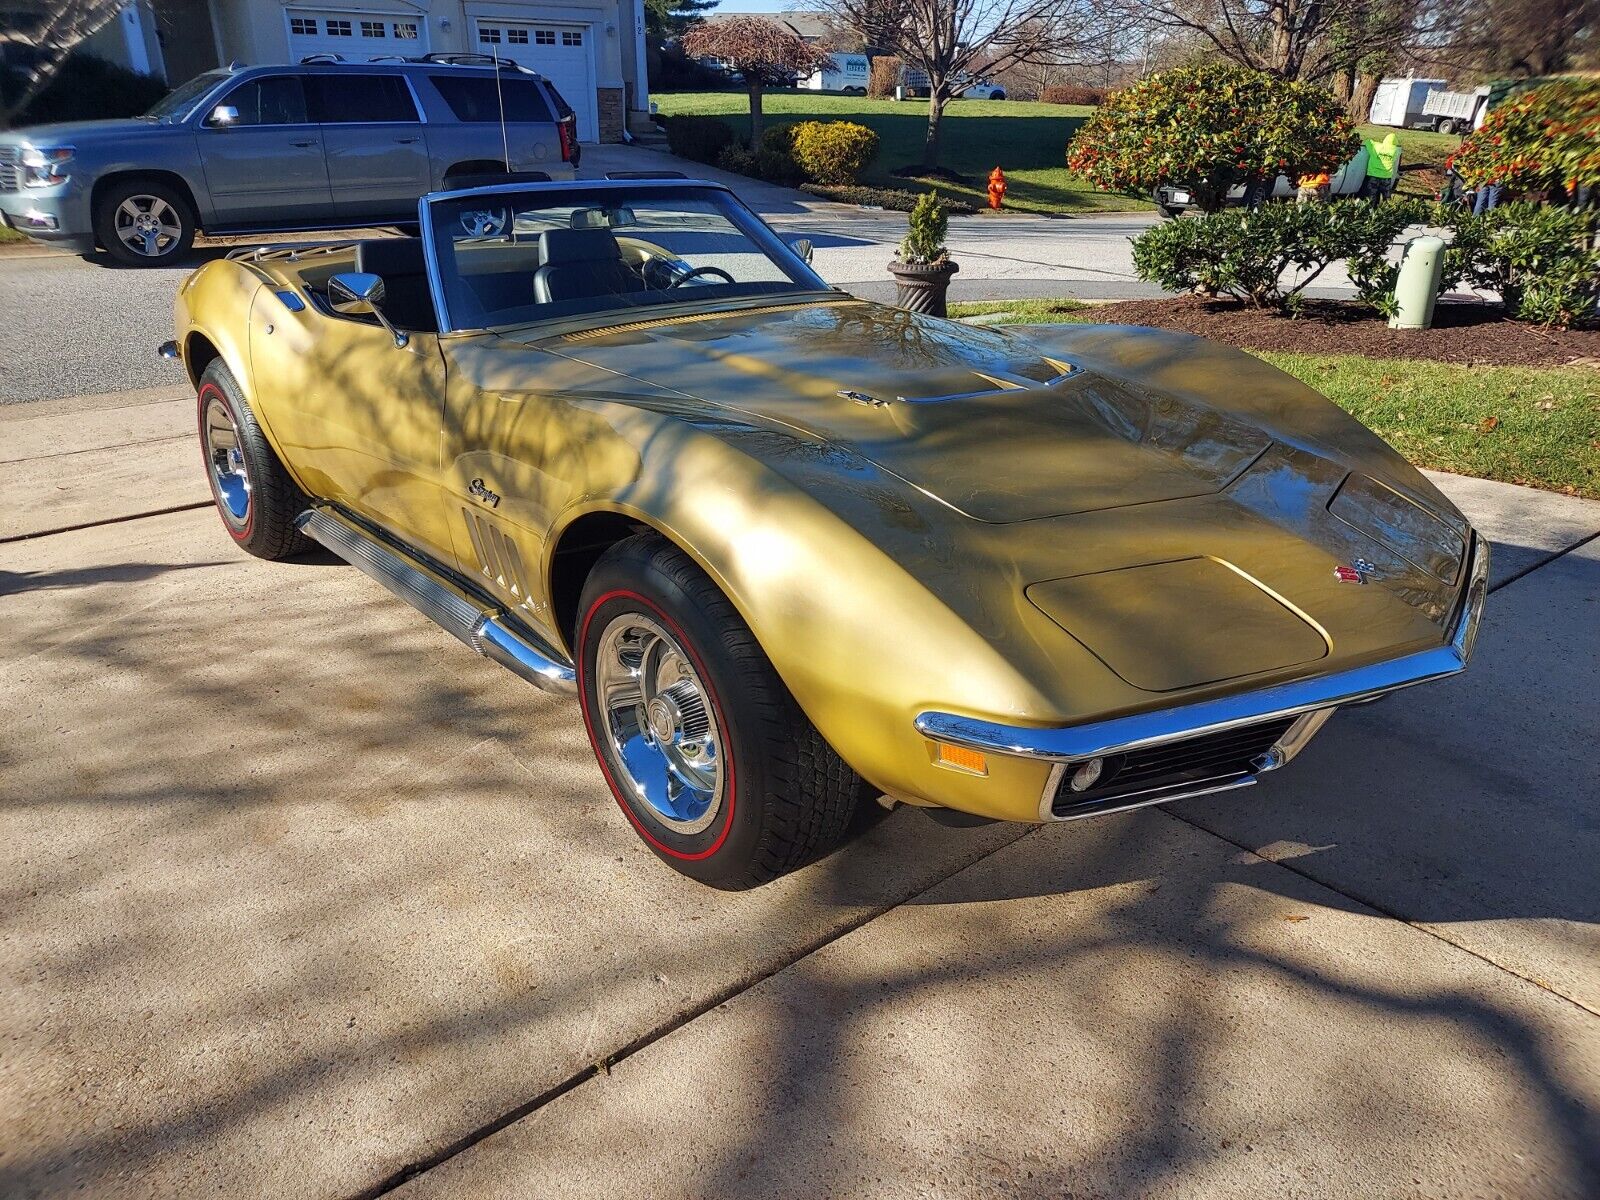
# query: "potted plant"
922,272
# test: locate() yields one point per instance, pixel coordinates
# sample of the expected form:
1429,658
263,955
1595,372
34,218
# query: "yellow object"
1383,157
912,515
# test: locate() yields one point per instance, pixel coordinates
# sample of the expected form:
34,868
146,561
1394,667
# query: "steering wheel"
684,278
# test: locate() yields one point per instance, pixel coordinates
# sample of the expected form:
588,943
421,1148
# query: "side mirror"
360,294
802,247
223,115
355,293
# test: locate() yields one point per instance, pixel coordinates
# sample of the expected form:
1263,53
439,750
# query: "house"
592,50
809,27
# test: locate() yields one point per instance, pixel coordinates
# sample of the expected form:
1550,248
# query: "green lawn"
1030,143
8,234
1538,426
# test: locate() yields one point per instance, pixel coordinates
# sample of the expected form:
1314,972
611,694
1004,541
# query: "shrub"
1245,254
89,89
923,244
701,139
1545,138
883,77
895,199
1211,126
833,151
1539,259
766,163
1073,93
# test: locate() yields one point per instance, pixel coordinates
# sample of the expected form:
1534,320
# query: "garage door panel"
354,35
563,54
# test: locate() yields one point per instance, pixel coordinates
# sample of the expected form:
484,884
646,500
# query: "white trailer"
1398,102
846,73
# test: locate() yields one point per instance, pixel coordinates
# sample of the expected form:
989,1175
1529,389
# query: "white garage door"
355,36
563,54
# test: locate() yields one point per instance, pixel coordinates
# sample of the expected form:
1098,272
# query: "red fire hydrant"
997,187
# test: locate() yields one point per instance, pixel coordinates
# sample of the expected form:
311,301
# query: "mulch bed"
1471,334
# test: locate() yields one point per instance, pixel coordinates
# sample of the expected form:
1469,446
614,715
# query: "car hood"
78,132
983,420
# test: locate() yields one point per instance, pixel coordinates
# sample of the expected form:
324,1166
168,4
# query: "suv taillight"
568,127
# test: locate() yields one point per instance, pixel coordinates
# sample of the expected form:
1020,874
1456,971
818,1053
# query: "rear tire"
255,497
707,753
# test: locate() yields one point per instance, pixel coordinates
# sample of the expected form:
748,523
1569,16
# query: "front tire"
144,223
704,749
255,497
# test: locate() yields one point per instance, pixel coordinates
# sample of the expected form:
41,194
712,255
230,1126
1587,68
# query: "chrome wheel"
486,222
230,479
147,225
659,723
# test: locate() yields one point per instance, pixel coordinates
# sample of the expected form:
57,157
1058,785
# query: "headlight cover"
45,166
1404,526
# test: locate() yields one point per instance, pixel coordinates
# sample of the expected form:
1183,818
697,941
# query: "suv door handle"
310,142
408,141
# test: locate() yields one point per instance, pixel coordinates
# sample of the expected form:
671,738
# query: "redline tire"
784,797
263,524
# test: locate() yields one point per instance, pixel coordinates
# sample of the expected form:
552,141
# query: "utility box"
1417,286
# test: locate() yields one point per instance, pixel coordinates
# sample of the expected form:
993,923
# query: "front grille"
1169,770
10,169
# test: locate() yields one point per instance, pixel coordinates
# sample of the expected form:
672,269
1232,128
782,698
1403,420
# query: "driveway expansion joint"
603,1065
1429,929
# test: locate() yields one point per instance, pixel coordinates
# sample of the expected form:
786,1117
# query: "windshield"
178,102
515,256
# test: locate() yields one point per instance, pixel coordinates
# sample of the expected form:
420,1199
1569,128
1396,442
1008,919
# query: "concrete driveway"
299,898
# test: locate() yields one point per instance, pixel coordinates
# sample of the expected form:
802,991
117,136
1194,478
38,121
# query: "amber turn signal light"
961,758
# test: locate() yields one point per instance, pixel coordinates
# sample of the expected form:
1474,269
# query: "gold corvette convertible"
793,549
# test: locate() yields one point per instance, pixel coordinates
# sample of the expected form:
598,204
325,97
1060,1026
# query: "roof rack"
321,58
453,58
236,65
399,58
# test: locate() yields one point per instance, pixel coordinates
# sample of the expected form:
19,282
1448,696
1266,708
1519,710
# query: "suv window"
360,99
273,100
473,98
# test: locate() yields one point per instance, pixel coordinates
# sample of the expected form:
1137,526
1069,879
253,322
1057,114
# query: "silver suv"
321,145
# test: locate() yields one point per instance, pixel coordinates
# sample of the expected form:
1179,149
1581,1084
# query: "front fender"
860,641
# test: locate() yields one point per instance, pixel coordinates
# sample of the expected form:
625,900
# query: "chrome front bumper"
1313,700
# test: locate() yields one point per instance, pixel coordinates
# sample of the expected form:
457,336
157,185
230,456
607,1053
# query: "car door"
357,414
376,151
263,159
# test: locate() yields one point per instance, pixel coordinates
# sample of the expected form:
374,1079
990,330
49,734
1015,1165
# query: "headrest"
578,245
392,257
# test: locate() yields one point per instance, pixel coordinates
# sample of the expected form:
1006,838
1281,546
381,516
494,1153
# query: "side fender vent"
498,557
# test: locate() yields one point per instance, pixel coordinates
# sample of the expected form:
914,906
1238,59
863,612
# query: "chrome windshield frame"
762,234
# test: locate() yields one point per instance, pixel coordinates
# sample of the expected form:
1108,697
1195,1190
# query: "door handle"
311,142
407,141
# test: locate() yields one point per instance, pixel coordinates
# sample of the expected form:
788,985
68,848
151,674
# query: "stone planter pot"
922,289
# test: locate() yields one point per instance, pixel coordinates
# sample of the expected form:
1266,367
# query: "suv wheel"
144,223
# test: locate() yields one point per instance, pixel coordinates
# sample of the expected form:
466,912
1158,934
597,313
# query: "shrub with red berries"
1545,138
1210,128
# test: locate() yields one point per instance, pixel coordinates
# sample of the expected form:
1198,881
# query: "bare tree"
43,44
1519,37
1294,39
948,41
764,52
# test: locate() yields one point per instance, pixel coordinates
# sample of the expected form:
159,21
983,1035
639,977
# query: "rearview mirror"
360,294
802,247
223,114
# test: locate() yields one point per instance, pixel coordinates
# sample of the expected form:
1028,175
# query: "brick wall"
612,113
